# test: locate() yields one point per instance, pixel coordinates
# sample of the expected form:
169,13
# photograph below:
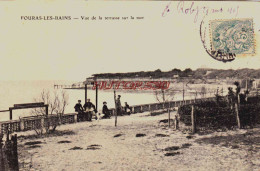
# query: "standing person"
90,109
128,110
118,106
105,110
78,108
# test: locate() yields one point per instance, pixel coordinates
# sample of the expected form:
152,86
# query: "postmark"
219,54
234,36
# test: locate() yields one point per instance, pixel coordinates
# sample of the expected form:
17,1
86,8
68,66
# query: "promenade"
139,142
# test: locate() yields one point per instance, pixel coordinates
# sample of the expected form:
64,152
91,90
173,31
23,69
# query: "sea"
18,92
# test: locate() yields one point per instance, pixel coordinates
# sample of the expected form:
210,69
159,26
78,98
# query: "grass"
248,139
33,143
76,148
161,135
140,135
118,135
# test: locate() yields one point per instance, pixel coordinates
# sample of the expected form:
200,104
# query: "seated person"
90,109
128,110
78,108
105,110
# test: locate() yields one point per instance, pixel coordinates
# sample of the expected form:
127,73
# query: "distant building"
256,83
175,76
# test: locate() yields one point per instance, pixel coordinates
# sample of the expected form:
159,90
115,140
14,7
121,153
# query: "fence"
218,115
8,154
31,123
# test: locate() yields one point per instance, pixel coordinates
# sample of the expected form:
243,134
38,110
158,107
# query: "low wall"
31,123
157,106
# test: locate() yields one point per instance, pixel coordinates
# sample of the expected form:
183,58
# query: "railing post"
42,122
21,124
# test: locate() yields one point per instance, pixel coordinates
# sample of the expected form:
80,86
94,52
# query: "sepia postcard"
129,86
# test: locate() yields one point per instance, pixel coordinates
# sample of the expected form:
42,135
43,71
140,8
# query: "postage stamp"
235,36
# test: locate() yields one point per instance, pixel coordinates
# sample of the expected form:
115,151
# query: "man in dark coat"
128,110
78,108
89,105
90,109
105,110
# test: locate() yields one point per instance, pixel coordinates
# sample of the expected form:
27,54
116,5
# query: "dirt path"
139,143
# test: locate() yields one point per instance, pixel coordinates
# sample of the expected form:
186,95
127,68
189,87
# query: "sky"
76,49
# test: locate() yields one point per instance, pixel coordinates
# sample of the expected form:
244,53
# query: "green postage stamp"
233,36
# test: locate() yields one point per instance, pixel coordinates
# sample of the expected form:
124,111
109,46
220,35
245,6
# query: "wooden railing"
157,106
31,123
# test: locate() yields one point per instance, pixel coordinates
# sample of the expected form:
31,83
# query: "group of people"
119,109
88,110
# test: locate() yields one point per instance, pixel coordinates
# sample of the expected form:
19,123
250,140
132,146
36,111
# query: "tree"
187,71
57,101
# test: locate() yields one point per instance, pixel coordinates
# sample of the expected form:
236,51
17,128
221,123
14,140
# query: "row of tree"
199,73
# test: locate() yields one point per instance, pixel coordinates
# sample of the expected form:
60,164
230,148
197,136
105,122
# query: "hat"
79,100
104,102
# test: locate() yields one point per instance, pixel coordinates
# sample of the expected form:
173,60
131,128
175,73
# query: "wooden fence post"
115,107
11,114
193,120
2,162
15,164
176,122
169,118
237,116
75,118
